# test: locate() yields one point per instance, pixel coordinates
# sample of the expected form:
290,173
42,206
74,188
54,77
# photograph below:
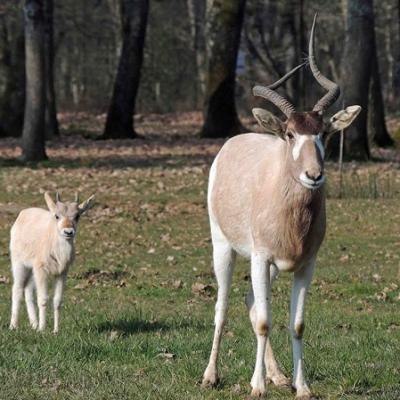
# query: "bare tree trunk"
12,70
396,78
356,73
119,122
51,109
33,139
376,115
224,20
196,11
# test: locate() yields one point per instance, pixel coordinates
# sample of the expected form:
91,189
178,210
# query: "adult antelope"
266,201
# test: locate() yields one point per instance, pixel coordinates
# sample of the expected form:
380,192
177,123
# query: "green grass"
130,331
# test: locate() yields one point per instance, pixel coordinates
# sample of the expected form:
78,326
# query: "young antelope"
42,245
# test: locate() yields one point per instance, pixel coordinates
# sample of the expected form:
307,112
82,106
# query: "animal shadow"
131,326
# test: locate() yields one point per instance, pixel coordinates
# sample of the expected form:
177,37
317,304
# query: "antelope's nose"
68,232
314,174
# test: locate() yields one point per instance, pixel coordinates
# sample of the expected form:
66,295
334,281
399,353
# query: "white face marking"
301,139
320,145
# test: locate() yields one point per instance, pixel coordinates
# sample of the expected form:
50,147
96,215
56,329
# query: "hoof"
279,380
304,397
210,378
257,392
304,394
13,327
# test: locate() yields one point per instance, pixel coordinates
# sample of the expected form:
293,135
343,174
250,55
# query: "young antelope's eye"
56,216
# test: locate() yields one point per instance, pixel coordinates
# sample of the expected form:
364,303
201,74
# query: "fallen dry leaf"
199,288
168,356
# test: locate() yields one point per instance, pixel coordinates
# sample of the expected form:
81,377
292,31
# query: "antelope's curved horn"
58,197
268,92
76,197
333,89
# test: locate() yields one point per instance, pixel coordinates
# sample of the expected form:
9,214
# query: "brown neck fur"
298,210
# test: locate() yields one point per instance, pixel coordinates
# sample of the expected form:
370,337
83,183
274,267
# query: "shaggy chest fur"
292,227
61,257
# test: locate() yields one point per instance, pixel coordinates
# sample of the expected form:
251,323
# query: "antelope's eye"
57,217
290,135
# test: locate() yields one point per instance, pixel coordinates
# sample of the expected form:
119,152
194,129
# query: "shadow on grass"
131,326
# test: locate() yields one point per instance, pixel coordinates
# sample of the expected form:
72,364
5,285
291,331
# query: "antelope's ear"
50,203
86,205
342,119
269,122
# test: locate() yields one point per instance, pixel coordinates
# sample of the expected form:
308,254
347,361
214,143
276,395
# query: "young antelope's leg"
20,276
262,296
223,256
40,277
301,283
57,300
274,373
30,302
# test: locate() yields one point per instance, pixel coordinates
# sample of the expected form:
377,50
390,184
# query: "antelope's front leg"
262,296
40,276
57,300
301,283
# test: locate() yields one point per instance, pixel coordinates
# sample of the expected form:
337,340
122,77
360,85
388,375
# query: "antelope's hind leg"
20,276
224,258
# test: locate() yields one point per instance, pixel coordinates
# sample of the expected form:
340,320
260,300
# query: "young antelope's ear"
342,119
86,205
269,122
49,201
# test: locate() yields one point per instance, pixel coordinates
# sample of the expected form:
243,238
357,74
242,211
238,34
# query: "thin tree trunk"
224,23
376,115
119,122
12,71
356,74
33,139
196,12
396,72
51,109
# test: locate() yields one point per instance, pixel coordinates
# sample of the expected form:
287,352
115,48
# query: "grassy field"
138,310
